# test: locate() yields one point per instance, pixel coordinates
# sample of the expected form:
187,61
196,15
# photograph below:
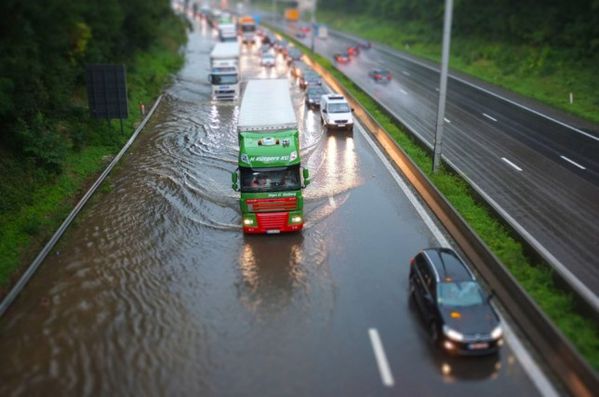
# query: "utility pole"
443,86
313,30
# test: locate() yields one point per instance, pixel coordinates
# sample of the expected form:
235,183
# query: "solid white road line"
406,73
512,164
332,202
381,358
403,91
573,162
406,190
489,117
526,361
446,120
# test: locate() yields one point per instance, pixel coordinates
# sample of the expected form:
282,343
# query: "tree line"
44,47
568,24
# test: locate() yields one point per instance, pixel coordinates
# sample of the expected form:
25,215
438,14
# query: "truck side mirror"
234,180
306,175
324,110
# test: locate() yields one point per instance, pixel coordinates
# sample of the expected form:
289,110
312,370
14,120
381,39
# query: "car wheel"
411,290
434,332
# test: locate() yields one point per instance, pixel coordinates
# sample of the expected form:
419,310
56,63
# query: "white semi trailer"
224,75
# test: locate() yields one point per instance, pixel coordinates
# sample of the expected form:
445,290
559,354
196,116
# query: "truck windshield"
254,180
224,79
338,108
248,28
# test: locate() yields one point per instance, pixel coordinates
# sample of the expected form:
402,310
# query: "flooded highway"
155,290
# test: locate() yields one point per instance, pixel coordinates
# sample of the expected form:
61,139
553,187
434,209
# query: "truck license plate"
273,231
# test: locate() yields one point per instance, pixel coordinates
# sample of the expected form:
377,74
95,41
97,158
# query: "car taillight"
412,261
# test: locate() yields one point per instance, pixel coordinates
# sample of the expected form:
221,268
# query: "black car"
294,55
309,78
313,95
380,75
456,310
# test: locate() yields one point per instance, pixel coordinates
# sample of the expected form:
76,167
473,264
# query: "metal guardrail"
588,300
24,279
561,357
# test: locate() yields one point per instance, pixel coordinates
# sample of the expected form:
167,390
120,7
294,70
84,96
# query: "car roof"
316,88
448,265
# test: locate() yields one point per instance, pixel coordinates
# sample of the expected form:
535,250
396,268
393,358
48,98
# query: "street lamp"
313,41
443,86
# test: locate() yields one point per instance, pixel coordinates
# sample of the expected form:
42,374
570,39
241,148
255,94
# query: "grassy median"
536,278
24,230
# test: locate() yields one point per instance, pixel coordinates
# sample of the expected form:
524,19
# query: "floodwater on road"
155,290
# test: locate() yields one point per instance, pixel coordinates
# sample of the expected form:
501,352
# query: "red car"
380,75
305,29
341,58
353,51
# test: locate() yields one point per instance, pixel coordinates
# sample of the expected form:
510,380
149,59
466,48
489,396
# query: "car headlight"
497,332
296,219
248,221
453,334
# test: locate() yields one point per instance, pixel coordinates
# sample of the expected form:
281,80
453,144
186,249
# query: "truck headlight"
453,334
248,221
497,332
293,156
296,219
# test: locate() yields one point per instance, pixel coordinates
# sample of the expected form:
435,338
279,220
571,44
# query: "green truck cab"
270,176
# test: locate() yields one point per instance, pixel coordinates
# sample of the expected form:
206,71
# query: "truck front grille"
272,205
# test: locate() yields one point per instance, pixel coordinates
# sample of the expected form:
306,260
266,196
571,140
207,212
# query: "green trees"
44,47
572,24
43,107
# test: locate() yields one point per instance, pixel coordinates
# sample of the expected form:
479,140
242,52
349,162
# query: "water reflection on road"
155,291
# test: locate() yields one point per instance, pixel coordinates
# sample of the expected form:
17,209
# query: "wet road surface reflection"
155,291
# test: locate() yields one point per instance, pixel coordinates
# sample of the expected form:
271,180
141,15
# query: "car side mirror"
234,181
353,110
324,110
491,296
306,175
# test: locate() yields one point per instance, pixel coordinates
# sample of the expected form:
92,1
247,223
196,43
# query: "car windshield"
224,79
270,179
462,293
315,91
338,108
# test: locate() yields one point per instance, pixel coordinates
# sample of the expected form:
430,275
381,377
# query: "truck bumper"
272,223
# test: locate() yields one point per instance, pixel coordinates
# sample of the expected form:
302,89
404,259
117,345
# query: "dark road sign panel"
107,91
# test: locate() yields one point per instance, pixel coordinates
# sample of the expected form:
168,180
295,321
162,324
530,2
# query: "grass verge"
546,74
536,278
24,230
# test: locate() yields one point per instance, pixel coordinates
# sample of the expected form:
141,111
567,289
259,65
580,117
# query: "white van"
335,112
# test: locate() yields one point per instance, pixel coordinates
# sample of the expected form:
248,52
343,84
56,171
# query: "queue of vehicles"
456,310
